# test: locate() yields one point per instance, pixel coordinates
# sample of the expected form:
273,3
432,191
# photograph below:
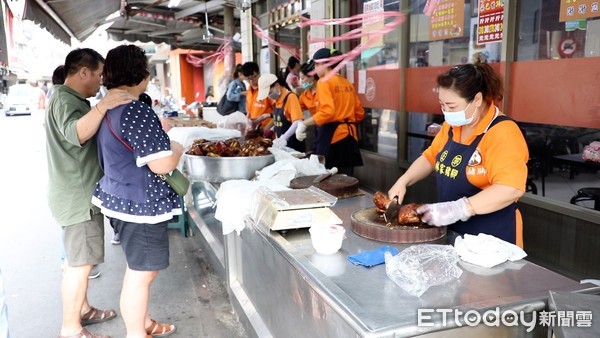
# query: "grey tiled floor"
561,188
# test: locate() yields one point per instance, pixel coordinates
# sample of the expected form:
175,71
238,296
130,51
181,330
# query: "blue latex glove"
372,257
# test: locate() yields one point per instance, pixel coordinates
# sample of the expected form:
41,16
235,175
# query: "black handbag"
175,179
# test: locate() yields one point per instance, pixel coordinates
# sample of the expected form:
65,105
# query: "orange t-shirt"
292,108
338,101
504,156
255,108
308,100
503,150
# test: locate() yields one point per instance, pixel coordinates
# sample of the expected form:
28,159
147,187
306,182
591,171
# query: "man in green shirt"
73,170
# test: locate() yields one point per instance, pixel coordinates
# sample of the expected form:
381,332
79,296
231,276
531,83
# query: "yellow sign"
373,23
447,21
578,9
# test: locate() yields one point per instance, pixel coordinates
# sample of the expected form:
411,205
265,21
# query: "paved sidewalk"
186,294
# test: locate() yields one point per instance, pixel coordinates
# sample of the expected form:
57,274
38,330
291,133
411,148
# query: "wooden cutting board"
339,185
370,224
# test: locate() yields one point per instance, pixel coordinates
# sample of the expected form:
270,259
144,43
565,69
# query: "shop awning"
181,26
67,19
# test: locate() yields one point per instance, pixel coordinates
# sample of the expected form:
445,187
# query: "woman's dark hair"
209,91
82,57
292,62
308,67
125,65
249,68
469,79
58,76
237,71
281,82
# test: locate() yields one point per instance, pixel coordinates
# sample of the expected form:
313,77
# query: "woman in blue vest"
479,159
134,150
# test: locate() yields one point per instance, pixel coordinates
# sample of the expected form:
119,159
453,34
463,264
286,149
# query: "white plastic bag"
420,267
236,120
234,202
486,250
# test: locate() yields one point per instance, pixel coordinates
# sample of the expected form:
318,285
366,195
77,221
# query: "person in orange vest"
478,181
287,113
338,112
308,82
259,112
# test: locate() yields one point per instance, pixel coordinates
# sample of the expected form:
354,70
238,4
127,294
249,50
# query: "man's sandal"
83,334
95,316
158,330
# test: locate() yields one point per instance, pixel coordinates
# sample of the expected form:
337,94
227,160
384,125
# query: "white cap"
264,85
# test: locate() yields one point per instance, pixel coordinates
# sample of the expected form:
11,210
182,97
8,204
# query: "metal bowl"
220,169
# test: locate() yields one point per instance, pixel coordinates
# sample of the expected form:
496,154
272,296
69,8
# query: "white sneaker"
94,273
116,240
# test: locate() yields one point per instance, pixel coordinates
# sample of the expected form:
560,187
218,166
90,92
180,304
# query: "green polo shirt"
73,168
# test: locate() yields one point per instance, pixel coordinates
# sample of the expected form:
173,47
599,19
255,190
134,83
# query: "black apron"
451,179
281,125
342,154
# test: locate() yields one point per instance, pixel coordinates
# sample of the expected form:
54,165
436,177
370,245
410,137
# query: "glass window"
544,35
560,117
452,35
422,128
556,166
378,132
380,71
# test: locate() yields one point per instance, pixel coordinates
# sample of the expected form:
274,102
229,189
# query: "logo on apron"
475,158
443,156
456,161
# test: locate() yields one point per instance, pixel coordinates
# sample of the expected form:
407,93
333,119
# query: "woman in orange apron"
479,159
286,113
338,112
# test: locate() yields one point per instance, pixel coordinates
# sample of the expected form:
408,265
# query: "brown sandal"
157,330
83,334
95,316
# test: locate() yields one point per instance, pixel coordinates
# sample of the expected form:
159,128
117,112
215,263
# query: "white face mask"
274,95
458,118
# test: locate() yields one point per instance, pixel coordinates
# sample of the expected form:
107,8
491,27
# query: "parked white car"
20,100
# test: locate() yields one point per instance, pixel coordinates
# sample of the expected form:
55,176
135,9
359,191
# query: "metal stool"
181,222
587,194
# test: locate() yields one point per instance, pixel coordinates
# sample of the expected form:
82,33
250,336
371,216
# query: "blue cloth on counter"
372,257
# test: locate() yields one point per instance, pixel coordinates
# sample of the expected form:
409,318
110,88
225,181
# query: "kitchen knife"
329,173
391,212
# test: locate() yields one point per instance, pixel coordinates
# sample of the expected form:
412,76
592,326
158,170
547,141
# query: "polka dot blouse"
129,190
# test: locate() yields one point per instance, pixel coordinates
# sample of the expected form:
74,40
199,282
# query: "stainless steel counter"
200,202
280,287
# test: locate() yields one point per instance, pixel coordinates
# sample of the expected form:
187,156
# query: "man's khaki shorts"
84,242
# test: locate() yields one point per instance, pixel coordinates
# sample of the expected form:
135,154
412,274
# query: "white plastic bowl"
327,239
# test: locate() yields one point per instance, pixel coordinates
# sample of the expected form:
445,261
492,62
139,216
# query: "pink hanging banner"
264,35
216,57
370,37
490,21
